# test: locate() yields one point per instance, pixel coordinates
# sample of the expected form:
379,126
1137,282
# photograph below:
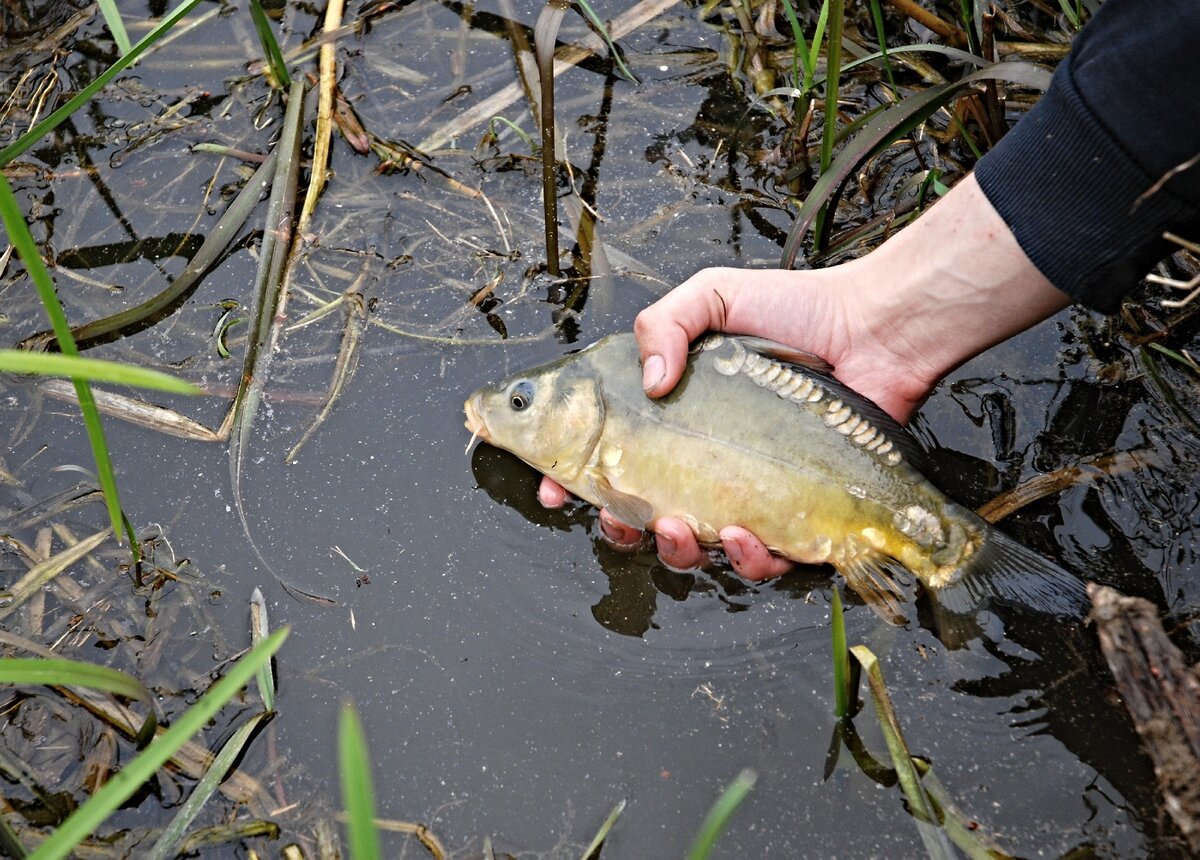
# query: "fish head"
551,417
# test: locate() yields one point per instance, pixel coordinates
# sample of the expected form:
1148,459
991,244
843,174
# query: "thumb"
666,328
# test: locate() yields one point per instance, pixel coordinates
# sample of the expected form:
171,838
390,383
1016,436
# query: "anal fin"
876,578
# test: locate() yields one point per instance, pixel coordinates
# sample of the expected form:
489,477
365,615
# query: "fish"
760,435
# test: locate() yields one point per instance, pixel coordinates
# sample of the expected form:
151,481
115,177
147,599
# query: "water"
517,677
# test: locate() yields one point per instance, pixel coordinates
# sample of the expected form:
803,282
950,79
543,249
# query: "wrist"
960,283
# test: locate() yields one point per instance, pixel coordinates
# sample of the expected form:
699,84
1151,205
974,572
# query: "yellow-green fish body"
750,437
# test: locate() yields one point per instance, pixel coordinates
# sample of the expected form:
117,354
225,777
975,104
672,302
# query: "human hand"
891,323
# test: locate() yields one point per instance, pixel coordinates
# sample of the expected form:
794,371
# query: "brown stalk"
950,32
564,59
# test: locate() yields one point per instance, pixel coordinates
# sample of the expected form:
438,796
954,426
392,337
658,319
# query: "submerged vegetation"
848,119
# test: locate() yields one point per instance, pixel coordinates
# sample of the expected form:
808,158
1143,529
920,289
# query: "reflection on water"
517,676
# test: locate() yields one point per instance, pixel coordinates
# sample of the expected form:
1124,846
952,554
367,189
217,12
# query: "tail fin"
1004,571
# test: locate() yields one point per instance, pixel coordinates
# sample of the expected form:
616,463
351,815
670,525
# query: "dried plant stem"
328,80
483,111
951,33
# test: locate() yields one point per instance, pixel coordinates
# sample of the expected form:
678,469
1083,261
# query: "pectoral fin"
629,509
874,577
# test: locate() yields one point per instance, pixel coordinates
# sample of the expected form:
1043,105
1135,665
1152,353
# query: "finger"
551,493
749,557
617,534
666,328
677,545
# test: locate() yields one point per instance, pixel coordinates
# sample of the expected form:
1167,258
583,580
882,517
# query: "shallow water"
517,677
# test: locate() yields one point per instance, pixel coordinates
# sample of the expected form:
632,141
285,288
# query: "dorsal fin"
784,353
865,408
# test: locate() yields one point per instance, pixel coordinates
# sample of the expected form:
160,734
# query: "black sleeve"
1123,109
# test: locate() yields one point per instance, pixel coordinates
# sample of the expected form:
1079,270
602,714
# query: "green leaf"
910,781
112,17
613,52
91,369
270,46
886,127
84,821
841,660
71,673
357,792
602,833
55,119
167,845
714,823
22,240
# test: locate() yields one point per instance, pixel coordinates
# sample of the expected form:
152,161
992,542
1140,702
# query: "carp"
758,435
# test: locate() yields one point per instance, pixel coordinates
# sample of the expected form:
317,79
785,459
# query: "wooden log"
1162,695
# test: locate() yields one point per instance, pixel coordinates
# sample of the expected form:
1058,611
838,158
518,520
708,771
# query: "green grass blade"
112,17
886,127
967,8
71,673
613,52
814,49
833,71
10,843
270,46
91,369
22,240
167,845
877,18
833,64
956,54
720,813
84,821
516,129
264,319
799,46
910,781
79,99
603,832
841,660
357,791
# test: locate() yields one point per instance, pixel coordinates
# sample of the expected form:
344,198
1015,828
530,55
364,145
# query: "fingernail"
666,544
653,372
733,549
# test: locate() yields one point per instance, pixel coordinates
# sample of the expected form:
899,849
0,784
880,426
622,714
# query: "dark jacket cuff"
1070,193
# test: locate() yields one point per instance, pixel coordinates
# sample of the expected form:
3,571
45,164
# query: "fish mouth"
474,421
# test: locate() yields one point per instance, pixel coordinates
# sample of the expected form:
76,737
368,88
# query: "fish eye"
521,395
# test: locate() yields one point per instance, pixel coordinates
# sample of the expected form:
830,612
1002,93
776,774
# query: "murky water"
516,676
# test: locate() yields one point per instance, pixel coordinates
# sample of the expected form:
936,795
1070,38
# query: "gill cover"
549,417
